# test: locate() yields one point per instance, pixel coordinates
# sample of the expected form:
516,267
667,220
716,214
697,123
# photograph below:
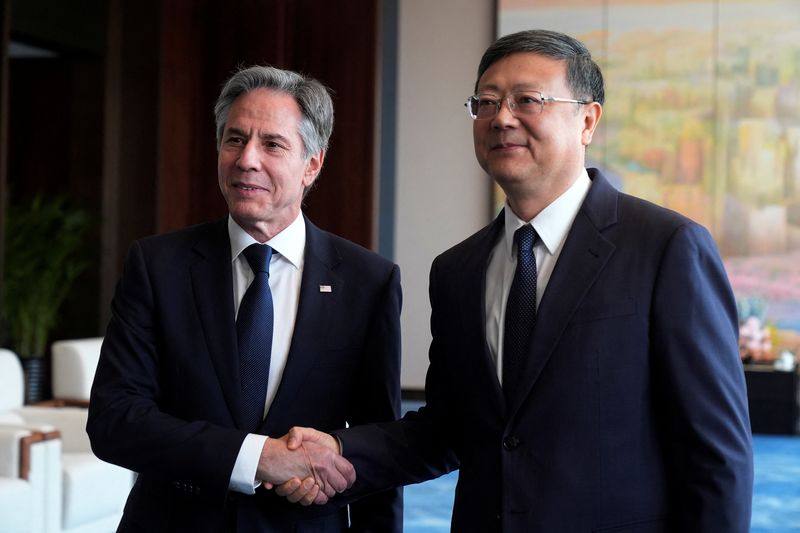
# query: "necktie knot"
524,237
258,257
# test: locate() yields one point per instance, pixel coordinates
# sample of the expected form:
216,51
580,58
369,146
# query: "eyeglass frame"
498,103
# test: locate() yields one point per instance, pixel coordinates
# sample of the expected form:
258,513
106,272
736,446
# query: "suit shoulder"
628,203
351,252
642,226
178,242
480,239
650,217
187,234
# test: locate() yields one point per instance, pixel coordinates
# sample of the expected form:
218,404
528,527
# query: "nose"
505,116
249,156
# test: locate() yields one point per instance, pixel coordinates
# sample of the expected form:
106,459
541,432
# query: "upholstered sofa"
80,493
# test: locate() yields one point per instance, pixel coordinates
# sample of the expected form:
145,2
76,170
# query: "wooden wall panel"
181,119
130,135
165,65
204,41
336,42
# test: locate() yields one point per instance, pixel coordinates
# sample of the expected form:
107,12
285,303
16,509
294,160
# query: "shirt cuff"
243,477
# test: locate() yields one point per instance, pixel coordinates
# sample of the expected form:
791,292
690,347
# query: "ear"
591,117
313,167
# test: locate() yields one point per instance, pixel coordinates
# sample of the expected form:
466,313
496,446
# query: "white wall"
442,195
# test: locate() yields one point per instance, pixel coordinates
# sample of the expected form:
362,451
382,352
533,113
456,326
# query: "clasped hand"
305,466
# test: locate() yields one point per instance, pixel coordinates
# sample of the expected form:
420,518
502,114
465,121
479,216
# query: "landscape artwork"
702,116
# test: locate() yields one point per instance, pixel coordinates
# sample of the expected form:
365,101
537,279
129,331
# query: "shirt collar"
552,224
290,243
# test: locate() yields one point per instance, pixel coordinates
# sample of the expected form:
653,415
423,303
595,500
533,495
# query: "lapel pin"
325,288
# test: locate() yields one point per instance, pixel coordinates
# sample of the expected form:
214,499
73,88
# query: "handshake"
305,466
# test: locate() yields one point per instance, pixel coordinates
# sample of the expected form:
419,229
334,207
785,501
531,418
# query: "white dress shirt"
552,225
285,278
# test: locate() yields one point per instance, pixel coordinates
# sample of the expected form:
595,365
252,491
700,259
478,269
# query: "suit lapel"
586,252
212,283
312,322
471,301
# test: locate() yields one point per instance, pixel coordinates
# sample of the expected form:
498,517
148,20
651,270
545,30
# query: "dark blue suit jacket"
166,397
631,414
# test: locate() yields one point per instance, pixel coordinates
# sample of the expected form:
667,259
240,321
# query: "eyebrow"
263,137
514,88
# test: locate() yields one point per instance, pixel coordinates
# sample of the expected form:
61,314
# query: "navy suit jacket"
631,414
166,397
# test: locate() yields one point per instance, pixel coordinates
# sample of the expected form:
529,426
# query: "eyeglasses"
522,103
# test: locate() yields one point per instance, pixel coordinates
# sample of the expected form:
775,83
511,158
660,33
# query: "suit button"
511,442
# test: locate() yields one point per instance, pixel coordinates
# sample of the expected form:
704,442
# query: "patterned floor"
776,499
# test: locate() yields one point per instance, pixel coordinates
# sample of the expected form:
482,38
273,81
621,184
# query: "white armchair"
74,364
88,494
21,484
30,459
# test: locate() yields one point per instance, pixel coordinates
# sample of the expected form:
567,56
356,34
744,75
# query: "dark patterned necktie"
520,310
254,330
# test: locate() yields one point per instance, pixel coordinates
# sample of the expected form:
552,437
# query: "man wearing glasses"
584,371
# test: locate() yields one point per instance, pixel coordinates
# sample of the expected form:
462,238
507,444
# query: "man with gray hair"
220,331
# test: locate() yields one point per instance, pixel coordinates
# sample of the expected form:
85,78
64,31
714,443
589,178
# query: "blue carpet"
776,498
776,493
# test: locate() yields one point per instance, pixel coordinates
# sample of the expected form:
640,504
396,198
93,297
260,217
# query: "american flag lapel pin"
325,288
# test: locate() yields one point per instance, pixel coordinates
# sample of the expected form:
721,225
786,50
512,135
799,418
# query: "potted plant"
45,252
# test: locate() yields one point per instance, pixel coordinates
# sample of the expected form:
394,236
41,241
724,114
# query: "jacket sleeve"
128,424
411,450
695,349
376,398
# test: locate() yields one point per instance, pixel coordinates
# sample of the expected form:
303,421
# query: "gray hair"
584,77
312,97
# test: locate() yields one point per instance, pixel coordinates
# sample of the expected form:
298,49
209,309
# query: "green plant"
45,252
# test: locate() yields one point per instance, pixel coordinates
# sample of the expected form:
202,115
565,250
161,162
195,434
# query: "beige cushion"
93,489
74,364
12,392
16,515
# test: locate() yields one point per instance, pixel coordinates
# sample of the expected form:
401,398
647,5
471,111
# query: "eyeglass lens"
520,103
